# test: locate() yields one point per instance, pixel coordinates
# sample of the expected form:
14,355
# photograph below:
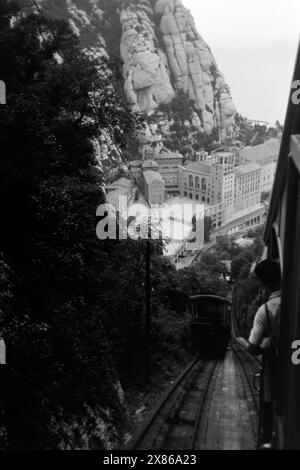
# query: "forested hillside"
71,306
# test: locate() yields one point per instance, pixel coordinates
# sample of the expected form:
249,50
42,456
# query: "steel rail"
186,374
246,374
201,407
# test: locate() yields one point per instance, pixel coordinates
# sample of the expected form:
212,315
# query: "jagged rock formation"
162,53
154,69
147,81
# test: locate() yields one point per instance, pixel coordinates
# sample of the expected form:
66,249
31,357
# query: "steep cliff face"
161,50
146,72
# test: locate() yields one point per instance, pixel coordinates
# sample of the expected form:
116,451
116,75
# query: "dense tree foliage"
246,287
183,136
51,313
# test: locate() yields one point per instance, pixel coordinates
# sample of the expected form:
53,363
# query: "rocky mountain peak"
161,50
162,53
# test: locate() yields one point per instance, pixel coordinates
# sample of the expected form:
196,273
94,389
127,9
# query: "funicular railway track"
250,369
212,405
175,422
249,364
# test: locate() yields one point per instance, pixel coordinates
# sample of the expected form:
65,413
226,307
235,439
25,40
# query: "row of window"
253,189
203,199
215,224
253,221
197,183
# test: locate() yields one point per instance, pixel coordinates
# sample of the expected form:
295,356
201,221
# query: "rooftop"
135,163
121,183
269,149
150,164
168,155
222,153
199,167
150,176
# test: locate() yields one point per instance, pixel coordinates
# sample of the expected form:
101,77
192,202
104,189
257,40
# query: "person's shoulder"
261,310
276,295
274,300
260,315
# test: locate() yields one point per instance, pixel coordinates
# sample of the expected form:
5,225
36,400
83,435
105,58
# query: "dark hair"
268,271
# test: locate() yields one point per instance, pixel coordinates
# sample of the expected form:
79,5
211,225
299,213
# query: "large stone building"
211,183
154,187
169,164
149,165
195,182
222,178
264,155
247,186
148,180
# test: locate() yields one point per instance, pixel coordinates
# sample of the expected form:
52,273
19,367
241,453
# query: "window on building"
203,199
191,196
197,197
185,193
197,182
191,181
203,184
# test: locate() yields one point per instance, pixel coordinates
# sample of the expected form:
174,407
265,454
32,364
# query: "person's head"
268,272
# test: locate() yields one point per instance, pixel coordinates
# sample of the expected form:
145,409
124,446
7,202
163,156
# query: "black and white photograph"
150,229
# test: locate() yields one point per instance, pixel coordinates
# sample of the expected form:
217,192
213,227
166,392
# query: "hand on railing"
253,351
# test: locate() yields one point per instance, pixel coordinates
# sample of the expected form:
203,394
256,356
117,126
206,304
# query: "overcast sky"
255,44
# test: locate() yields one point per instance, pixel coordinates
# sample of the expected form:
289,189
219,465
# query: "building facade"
201,156
222,178
268,169
247,186
265,155
169,164
154,187
195,182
